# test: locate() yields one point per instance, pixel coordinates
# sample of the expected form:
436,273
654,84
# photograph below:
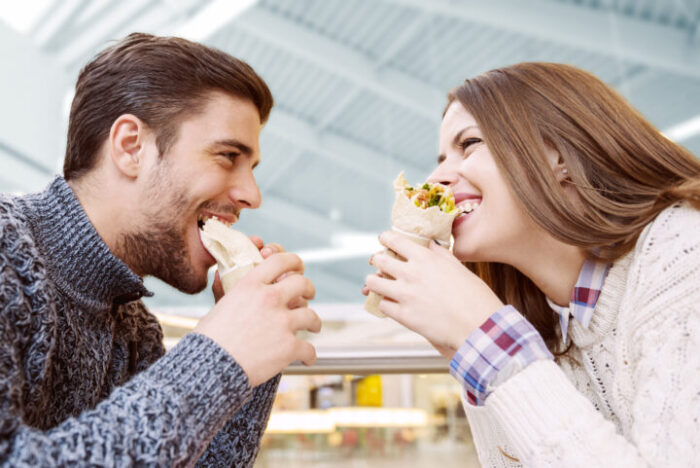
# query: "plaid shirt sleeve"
505,344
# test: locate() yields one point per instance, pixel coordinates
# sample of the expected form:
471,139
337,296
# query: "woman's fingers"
388,264
382,286
390,309
399,244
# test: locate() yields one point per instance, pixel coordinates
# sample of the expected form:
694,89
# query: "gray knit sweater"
84,378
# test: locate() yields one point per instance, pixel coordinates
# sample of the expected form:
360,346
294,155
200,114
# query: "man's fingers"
305,319
217,288
274,266
271,249
296,286
306,353
257,241
297,302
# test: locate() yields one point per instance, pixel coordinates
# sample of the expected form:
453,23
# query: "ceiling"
359,87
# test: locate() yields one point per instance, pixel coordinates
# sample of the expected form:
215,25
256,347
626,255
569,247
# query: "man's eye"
468,142
230,156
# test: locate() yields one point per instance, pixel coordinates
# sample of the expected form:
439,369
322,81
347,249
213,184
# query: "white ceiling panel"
359,87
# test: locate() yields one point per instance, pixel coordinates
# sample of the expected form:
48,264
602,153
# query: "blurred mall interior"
359,87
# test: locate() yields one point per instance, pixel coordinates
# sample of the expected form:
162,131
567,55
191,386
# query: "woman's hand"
432,294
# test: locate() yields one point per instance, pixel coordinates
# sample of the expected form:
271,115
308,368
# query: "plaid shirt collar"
584,296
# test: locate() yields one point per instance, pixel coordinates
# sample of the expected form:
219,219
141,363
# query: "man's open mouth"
203,218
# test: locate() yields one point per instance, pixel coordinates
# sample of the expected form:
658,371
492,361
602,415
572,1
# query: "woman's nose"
443,175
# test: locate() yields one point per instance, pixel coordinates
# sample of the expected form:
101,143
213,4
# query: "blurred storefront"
377,420
378,395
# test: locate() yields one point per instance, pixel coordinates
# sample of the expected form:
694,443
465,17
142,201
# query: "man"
162,133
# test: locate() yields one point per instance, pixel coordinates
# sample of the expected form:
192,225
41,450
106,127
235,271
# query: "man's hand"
257,321
265,250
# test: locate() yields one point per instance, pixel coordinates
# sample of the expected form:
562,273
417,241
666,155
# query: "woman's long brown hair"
622,169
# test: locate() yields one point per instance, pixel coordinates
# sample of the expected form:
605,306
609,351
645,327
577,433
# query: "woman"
575,329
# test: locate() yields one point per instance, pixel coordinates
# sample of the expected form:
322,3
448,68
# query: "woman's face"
497,229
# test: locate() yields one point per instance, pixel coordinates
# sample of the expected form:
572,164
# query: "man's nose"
245,192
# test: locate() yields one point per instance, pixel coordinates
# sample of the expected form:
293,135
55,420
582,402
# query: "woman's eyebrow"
458,136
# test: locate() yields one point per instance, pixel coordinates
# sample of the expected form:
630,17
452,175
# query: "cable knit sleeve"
657,393
238,443
165,416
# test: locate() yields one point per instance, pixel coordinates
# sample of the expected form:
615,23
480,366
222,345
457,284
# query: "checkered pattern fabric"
583,298
505,342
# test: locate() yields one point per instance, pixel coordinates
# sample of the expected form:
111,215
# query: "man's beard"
159,248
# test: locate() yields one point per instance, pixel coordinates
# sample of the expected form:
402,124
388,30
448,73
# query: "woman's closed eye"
466,143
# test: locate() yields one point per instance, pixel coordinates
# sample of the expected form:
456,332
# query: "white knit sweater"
630,397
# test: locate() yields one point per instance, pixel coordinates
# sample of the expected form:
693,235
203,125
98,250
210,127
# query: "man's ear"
126,144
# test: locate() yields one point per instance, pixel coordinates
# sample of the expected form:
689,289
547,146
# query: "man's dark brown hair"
160,80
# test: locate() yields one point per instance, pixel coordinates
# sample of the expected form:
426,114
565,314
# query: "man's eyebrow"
240,146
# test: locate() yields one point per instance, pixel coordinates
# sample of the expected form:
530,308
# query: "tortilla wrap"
420,225
234,252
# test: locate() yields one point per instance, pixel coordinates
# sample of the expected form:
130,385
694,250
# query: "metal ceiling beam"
313,224
385,56
581,27
56,20
94,36
341,151
341,60
403,37
22,173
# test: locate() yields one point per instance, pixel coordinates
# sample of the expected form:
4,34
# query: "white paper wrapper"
231,277
234,252
416,224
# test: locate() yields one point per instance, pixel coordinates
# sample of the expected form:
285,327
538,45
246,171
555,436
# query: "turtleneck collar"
80,262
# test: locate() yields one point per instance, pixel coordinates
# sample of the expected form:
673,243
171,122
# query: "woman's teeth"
468,207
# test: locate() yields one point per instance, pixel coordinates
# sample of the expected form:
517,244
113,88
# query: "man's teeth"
202,219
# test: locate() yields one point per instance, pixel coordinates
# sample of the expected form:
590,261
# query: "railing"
375,360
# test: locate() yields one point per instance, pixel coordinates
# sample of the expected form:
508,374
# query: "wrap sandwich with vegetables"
234,252
422,214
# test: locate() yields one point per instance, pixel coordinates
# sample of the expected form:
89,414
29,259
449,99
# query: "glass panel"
348,420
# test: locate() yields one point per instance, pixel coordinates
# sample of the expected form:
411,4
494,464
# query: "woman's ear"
561,172
126,148
556,162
